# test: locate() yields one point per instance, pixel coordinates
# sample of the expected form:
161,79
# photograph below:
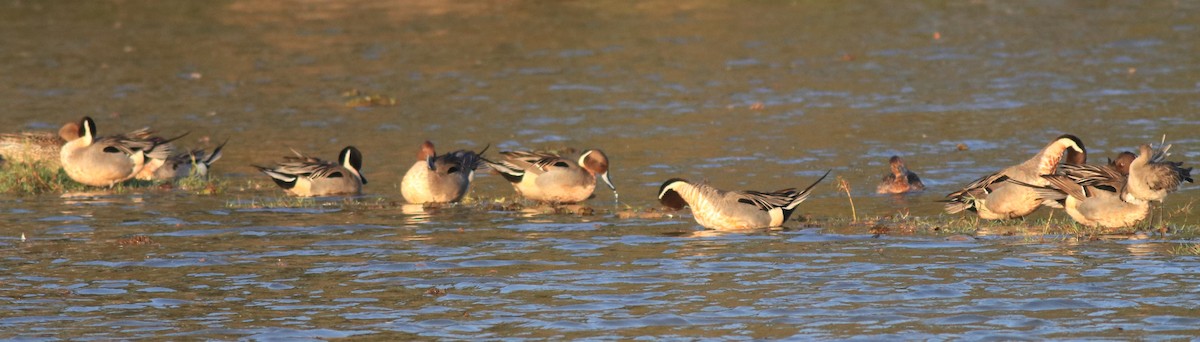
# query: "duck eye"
561,164
110,149
452,169
335,175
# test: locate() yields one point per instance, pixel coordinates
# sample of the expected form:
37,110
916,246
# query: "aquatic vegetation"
201,185
136,240
272,202
1033,228
358,99
1191,249
293,202
845,187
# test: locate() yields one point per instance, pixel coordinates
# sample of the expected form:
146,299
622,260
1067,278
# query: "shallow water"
748,96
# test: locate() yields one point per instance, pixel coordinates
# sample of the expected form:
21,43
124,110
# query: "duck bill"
361,177
608,181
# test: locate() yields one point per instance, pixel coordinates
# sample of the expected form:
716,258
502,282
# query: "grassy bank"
40,178
35,178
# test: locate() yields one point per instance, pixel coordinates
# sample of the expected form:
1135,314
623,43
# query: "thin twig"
845,186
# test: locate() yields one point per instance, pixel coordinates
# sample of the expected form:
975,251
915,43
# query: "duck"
992,198
1096,195
901,180
306,176
550,178
439,179
729,210
195,163
37,147
159,158
1111,176
106,161
1151,177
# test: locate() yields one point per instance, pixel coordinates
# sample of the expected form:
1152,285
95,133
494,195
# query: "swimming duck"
1151,177
548,177
308,176
196,162
104,161
439,179
992,198
718,209
901,180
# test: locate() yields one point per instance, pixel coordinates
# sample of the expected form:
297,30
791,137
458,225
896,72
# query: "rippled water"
755,96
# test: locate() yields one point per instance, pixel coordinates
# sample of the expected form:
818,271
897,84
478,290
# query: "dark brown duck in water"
901,180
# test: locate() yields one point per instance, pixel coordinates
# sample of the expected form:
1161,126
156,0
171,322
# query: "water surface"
747,96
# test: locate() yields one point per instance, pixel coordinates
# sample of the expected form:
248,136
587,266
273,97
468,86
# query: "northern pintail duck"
719,209
196,163
1151,177
992,198
1096,195
548,177
104,161
439,179
37,147
1111,177
901,180
308,176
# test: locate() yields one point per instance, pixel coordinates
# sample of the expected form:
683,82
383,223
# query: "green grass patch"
35,178
970,225
40,178
203,185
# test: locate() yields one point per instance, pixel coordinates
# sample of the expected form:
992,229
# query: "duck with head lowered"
1095,195
551,178
439,178
725,210
993,197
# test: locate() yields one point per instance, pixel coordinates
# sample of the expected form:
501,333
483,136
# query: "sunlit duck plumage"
992,198
1112,176
439,179
1151,177
901,180
718,209
548,177
308,176
1096,195
196,163
37,147
104,161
